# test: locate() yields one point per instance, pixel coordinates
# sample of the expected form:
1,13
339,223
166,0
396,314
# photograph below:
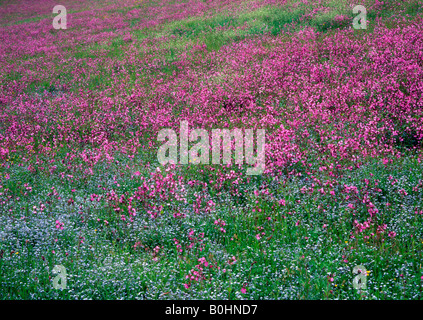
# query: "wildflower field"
81,186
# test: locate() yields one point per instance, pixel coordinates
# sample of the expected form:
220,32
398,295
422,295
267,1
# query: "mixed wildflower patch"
81,185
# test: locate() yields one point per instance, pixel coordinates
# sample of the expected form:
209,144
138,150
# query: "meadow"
81,186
